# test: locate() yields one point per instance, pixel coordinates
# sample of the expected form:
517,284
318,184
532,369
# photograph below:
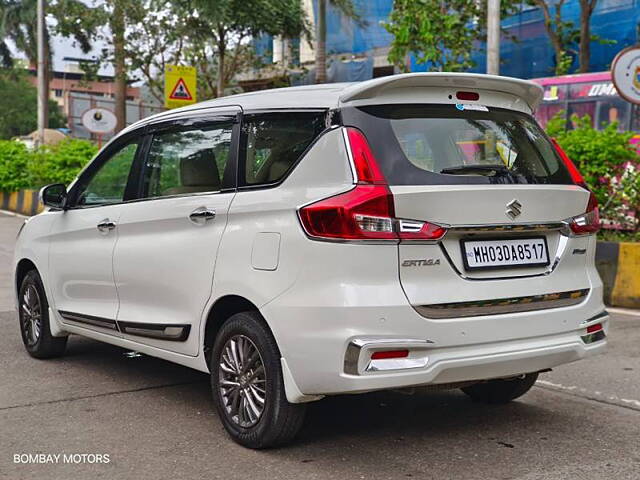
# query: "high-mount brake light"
367,211
473,96
588,222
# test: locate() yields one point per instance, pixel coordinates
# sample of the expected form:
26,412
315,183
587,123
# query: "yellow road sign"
179,86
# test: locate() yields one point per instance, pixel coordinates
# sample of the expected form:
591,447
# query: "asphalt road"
155,420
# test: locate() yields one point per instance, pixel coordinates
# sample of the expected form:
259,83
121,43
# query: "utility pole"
43,95
321,42
493,37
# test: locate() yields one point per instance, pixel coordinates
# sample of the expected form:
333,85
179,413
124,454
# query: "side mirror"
54,196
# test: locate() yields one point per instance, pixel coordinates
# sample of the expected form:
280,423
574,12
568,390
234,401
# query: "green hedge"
608,163
23,168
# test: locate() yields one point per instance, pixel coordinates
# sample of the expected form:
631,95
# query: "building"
75,92
360,52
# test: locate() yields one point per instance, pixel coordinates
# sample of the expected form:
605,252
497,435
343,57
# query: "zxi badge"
514,209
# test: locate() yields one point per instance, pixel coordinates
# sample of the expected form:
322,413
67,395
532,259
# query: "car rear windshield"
453,144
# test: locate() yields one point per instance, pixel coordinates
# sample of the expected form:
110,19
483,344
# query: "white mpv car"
418,229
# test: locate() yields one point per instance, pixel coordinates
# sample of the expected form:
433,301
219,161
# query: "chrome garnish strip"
601,316
509,227
562,246
502,305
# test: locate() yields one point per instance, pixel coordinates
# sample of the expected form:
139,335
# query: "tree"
561,33
19,116
586,10
19,26
218,29
442,34
564,36
346,8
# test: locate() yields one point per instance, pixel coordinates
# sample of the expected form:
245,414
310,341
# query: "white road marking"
624,311
9,213
595,395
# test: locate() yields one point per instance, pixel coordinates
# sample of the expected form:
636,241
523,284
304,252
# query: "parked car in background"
419,229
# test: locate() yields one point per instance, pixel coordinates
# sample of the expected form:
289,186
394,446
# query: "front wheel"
33,314
501,390
247,384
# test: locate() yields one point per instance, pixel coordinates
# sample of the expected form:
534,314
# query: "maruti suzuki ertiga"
417,229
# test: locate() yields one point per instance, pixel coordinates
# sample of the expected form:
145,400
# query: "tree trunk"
221,57
321,43
118,27
585,35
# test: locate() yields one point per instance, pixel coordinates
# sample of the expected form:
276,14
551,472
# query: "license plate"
507,253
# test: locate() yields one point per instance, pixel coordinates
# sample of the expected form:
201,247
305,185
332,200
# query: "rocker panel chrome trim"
176,333
170,332
89,320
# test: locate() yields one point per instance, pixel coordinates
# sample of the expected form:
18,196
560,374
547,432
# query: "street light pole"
42,87
493,37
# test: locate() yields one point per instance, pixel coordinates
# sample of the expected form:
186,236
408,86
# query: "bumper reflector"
595,333
385,354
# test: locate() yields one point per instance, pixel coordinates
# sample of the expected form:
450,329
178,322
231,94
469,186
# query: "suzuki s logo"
514,209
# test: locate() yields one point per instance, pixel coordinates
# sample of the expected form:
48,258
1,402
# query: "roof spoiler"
530,92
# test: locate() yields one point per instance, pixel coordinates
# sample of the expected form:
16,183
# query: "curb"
25,202
619,267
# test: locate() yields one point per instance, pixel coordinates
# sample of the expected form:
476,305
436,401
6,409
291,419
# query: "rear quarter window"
272,143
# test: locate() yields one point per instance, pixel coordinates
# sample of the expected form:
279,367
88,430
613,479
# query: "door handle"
202,215
106,225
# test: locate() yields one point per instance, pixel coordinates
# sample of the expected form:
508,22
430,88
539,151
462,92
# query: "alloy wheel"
242,379
31,315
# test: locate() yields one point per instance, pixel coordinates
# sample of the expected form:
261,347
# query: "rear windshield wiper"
486,170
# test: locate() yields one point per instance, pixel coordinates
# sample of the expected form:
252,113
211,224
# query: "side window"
273,142
188,161
108,184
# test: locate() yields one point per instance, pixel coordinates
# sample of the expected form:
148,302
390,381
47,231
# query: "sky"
64,47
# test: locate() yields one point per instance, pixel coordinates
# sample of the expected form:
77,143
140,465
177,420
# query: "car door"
83,237
165,255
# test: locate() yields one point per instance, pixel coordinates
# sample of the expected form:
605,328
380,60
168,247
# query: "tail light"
367,211
576,176
588,222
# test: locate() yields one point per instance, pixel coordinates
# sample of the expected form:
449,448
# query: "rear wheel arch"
220,312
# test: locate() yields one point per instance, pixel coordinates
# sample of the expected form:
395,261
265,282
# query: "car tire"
501,391
245,369
33,315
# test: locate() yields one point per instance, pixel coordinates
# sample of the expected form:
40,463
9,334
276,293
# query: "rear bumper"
354,295
328,348
438,366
